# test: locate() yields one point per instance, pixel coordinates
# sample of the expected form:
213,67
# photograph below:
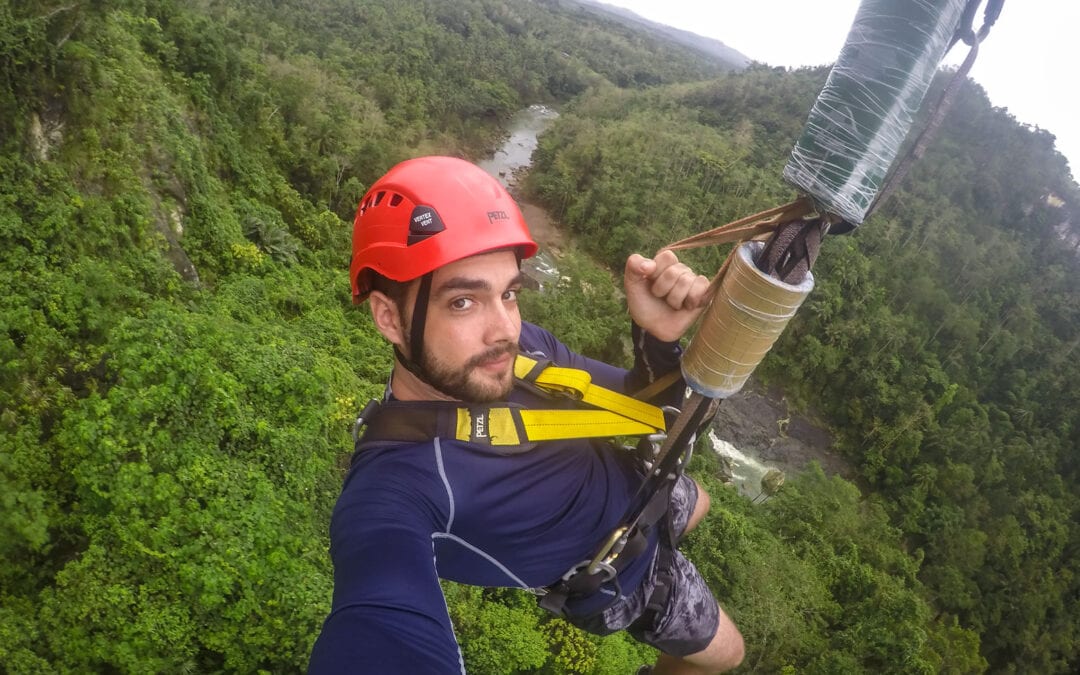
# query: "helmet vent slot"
396,199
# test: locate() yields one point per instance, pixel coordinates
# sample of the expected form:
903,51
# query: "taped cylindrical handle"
748,313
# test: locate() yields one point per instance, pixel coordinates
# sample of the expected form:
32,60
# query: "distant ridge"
708,46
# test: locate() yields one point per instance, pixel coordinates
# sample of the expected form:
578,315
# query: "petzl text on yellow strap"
501,426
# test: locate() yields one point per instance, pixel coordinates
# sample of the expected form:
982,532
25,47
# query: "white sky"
1027,64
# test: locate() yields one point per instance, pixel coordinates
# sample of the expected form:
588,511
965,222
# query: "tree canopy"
180,361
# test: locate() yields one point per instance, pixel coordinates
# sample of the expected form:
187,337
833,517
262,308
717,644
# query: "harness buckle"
362,418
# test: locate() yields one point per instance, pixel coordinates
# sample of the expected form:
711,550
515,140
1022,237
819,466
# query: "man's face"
472,329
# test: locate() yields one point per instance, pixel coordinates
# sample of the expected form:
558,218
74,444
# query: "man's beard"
457,383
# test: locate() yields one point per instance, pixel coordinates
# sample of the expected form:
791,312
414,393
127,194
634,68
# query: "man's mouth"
496,360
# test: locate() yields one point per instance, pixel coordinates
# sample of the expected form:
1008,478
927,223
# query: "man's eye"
461,303
512,294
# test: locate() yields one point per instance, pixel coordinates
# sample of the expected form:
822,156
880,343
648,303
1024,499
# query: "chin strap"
416,329
419,317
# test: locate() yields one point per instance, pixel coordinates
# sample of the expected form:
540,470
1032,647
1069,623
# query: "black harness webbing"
509,428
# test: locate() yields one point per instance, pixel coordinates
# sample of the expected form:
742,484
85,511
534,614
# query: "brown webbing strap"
755,226
798,217
791,252
658,385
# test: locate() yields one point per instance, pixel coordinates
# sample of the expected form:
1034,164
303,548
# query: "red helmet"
428,212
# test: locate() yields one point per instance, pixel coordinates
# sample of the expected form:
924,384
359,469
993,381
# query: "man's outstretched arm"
389,614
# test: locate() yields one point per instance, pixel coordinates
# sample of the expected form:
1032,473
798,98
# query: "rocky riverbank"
759,423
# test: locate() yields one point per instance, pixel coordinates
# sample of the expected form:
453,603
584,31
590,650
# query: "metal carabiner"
362,419
592,567
611,549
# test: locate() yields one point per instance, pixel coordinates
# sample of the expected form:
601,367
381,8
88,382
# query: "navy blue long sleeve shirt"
412,514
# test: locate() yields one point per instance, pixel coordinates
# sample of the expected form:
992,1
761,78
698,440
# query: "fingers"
638,266
675,283
663,295
689,292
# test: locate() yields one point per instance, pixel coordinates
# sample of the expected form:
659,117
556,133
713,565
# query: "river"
746,472
516,152
768,438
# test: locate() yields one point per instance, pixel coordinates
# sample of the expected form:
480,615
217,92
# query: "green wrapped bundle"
861,117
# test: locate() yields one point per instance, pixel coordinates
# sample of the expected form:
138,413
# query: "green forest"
180,360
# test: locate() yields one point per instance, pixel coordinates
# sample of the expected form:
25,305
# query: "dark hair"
395,290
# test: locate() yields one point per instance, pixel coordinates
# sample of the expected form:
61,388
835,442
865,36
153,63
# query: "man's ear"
387,318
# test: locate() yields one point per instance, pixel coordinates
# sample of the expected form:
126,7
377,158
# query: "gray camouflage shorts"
691,617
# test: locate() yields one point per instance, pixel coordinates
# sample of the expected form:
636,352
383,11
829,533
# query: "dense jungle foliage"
180,360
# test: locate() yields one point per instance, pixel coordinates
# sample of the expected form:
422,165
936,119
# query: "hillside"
180,361
705,45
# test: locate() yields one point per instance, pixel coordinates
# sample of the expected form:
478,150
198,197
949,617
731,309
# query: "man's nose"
502,322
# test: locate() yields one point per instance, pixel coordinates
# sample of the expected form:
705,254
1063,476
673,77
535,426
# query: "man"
436,251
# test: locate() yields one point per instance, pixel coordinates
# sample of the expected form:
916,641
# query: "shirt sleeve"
389,614
653,359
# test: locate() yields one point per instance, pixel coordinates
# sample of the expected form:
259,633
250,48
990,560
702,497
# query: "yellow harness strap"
616,414
579,384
